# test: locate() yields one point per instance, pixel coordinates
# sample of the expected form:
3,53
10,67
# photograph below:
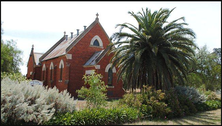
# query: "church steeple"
32,50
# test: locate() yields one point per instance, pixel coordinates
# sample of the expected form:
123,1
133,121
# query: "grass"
212,117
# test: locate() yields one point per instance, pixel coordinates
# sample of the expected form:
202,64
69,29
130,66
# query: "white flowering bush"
22,102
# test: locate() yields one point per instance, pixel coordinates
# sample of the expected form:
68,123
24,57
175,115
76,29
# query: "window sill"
110,87
96,46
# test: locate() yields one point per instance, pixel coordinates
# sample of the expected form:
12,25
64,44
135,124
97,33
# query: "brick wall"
73,70
81,53
61,85
116,91
30,67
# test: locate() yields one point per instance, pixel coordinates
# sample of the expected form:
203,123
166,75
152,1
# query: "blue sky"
44,23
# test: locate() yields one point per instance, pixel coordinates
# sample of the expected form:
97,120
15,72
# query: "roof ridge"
38,53
81,35
52,48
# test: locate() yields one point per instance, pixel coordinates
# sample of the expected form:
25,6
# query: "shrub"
155,99
208,105
94,95
191,93
150,102
146,111
95,116
186,105
132,100
21,102
213,104
180,100
211,95
173,102
201,106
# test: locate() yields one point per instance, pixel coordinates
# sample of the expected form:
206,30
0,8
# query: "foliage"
95,116
213,104
184,101
206,71
201,106
150,102
211,95
172,101
13,76
21,102
155,99
217,51
191,93
10,57
187,105
94,95
132,100
208,105
154,53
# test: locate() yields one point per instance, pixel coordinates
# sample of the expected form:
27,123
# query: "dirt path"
204,118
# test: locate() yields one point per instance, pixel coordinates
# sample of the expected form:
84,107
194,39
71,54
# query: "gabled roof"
60,48
63,45
36,57
96,57
92,60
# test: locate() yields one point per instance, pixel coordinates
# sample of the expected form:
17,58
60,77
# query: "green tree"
206,72
95,95
217,51
10,56
154,53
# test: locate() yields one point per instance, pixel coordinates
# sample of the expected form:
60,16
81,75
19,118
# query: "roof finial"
97,16
32,45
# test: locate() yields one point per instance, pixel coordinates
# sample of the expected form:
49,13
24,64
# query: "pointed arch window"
61,72
51,70
96,43
110,71
43,72
110,77
61,66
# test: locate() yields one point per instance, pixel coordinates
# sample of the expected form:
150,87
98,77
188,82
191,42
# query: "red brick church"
65,63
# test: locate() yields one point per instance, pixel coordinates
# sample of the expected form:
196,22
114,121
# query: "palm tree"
154,53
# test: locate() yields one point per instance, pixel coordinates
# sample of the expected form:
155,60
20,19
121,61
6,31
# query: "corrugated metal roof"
96,57
60,49
63,46
36,57
92,60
